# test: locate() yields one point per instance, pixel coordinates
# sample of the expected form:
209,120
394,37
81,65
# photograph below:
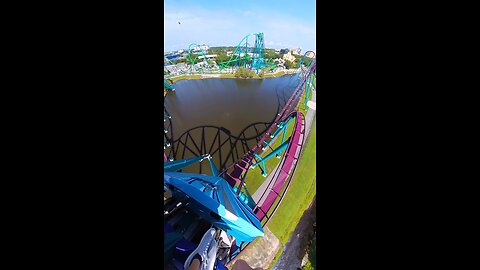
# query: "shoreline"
227,76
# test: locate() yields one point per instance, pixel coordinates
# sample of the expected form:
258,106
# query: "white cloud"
216,27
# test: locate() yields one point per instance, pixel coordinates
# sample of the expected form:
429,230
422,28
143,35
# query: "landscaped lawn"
300,194
254,177
185,77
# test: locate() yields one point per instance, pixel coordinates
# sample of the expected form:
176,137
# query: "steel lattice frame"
242,58
193,66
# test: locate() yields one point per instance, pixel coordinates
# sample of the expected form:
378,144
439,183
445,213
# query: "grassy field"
301,192
228,75
185,77
222,75
278,74
254,177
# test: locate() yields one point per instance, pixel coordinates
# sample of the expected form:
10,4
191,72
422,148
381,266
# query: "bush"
241,72
289,64
244,73
261,73
237,73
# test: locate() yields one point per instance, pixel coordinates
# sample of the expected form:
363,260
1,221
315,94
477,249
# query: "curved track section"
219,142
265,207
236,172
283,171
199,62
246,55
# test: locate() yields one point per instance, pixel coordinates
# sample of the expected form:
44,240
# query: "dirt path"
296,247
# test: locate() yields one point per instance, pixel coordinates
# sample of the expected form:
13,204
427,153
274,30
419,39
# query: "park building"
200,47
209,56
289,57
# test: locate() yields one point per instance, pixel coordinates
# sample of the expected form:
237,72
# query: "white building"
208,56
200,47
289,57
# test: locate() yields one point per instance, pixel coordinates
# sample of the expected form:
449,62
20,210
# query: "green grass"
308,266
222,75
312,254
227,75
276,258
185,77
296,200
254,177
301,192
278,74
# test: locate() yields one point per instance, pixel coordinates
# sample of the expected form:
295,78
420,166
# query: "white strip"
230,216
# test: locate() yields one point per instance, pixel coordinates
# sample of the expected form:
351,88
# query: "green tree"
192,57
250,73
237,73
180,60
271,54
288,64
261,74
243,72
222,57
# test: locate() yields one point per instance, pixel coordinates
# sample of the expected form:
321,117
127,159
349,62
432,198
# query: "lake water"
202,108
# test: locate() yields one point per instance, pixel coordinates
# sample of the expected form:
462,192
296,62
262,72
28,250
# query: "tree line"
221,53
243,72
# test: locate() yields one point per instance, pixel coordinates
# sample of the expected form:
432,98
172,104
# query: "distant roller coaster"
197,66
250,55
245,56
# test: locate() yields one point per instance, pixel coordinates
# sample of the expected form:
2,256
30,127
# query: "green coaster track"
248,55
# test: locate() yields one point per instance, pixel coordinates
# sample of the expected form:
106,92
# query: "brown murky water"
223,117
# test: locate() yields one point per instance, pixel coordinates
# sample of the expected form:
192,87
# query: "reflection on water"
221,115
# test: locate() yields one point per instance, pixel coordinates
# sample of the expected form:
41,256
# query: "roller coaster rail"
244,56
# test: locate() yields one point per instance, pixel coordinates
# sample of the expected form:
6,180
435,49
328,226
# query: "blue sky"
285,24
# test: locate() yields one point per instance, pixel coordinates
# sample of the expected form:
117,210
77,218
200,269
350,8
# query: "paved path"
261,252
268,183
310,114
